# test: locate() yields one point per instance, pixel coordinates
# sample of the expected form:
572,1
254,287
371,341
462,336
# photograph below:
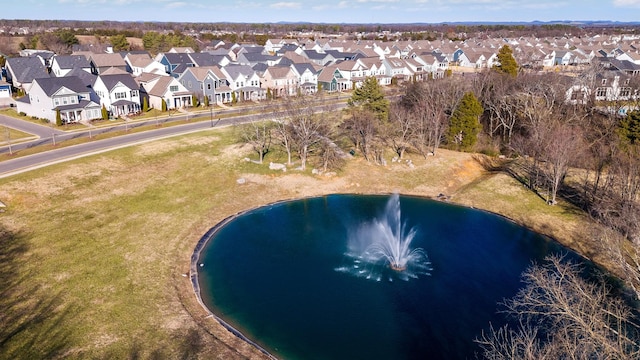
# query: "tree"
105,113
58,118
464,124
307,127
119,42
145,104
370,97
234,97
563,316
259,136
194,100
506,62
206,101
164,105
362,129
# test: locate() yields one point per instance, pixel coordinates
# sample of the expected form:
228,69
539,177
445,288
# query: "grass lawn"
93,252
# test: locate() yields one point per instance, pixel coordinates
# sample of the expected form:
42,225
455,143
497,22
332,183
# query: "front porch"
124,107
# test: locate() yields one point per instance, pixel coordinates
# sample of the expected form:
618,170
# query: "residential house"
208,82
68,95
102,62
5,90
118,93
166,88
139,63
244,82
397,68
175,63
61,65
330,79
282,81
21,71
307,77
253,58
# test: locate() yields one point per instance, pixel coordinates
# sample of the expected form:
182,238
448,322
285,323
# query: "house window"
173,88
64,100
120,95
625,92
190,85
604,81
134,93
56,101
601,92
626,82
208,86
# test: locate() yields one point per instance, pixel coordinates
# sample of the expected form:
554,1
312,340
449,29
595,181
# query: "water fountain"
270,275
386,242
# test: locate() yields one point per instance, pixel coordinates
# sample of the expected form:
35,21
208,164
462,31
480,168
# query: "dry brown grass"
108,239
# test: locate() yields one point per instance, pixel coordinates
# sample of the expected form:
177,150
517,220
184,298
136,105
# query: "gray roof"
203,59
86,77
235,71
110,81
72,61
300,68
50,85
25,69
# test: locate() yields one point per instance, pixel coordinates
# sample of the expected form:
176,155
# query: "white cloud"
627,3
175,5
286,5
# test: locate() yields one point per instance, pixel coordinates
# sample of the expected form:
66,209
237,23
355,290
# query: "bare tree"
563,316
307,127
400,129
362,128
259,136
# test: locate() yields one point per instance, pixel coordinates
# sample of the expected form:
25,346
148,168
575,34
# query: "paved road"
38,130
26,163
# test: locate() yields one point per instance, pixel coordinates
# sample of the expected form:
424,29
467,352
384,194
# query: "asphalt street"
46,136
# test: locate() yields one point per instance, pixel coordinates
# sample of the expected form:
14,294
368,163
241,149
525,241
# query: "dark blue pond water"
271,273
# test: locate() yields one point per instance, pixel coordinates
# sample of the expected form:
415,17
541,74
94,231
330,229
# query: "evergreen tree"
370,97
206,101
464,124
105,113
507,63
194,100
164,105
269,94
234,98
120,43
629,128
58,118
145,104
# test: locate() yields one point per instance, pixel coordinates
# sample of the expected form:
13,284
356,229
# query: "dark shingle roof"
110,81
72,61
50,85
86,77
25,69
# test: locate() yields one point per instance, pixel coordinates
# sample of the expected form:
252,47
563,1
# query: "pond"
298,279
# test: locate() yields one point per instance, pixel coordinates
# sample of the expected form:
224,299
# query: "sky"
324,11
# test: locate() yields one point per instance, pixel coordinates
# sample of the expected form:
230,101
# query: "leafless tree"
399,131
564,316
431,103
307,126
259,136
362,128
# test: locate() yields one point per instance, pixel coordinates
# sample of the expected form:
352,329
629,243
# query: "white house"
68,95
118,93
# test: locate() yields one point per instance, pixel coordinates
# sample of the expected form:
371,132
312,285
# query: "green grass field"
93,252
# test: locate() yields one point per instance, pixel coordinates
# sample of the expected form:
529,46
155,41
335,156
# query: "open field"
93,252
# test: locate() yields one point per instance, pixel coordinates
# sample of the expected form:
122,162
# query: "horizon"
382,12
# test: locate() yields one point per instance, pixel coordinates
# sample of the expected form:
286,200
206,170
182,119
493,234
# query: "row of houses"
79,85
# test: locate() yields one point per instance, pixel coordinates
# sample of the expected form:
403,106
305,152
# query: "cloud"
627,3
175,5
286,5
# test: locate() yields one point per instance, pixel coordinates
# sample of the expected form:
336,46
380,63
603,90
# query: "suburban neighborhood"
79,85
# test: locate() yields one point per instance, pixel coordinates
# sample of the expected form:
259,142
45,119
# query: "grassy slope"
94,251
